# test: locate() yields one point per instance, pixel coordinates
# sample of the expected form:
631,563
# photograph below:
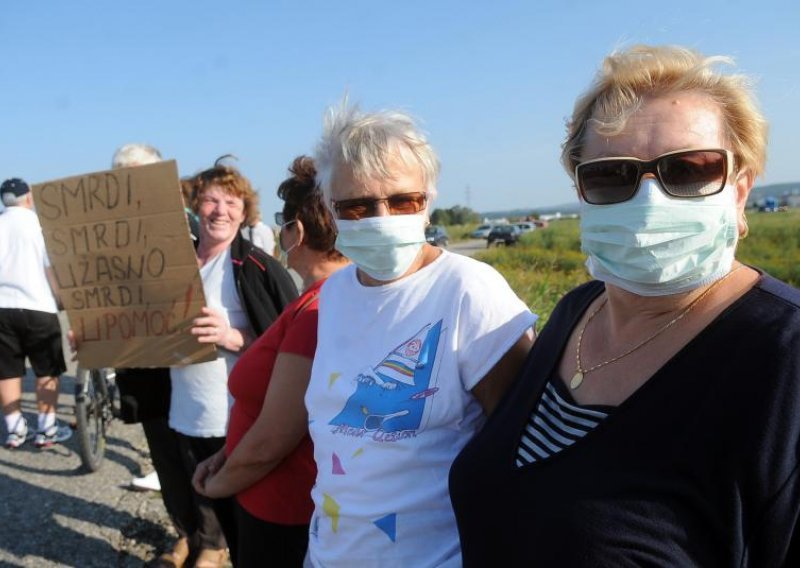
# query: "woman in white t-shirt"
245,290
416,346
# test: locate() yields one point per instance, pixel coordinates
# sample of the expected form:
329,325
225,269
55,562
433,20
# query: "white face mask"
284,252
383,247
280,237
656,245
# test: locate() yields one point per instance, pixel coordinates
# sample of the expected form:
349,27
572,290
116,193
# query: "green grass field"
548,262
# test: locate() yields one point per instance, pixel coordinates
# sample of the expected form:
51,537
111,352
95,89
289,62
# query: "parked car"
503,234
526,226
481,232
436,235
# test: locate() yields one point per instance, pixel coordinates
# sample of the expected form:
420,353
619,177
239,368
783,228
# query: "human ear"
743,185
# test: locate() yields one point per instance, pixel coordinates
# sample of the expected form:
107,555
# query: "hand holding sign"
212,327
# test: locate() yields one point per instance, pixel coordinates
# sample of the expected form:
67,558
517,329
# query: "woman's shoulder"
308,301
342,277
256,256
778,291
580,297
245,253
571,306
466,270
770,311
257,263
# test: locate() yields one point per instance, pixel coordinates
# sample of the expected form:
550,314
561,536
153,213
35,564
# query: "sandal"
210,558
174,558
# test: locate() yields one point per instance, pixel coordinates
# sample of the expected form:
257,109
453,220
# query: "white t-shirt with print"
199,404
390,408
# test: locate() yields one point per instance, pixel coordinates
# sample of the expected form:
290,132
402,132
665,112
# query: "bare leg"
46,394
10,394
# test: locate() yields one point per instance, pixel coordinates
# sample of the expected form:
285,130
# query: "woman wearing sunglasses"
415,345
656,419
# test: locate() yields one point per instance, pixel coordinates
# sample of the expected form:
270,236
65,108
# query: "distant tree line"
457,215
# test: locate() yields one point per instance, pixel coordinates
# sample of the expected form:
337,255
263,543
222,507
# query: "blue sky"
492,82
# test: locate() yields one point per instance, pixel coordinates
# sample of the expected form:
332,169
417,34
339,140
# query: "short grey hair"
135,155
11,200
364,142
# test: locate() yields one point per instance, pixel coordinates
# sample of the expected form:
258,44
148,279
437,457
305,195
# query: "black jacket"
264,288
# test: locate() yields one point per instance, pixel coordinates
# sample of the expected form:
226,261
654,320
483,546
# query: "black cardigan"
264,288
698,467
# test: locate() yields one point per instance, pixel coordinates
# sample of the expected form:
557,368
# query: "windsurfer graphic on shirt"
390,396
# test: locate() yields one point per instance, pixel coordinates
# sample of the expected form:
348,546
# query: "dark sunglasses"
398,204
684,174
279,218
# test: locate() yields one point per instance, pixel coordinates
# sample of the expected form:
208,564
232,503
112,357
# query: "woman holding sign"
268,461
246,289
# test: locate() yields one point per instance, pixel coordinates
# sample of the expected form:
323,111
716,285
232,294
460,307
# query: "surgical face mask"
656,245
284,252
383,247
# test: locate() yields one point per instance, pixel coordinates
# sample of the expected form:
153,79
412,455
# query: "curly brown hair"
232,182
187,190
303,201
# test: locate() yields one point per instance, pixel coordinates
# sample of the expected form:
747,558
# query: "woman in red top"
268,461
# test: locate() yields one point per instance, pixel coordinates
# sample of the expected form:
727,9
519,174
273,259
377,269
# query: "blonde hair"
628,77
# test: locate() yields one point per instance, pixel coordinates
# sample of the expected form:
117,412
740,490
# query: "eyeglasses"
279,218
684,174
398,204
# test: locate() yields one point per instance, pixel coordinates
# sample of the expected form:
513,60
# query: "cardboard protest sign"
122,255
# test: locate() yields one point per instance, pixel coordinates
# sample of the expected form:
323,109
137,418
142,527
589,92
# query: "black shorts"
32,334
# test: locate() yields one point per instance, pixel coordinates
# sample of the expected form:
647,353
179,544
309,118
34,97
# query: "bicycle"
96,405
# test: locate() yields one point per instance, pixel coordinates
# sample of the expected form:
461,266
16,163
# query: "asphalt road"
52,513
468,247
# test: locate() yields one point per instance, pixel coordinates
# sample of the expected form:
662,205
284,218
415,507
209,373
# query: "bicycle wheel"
91,414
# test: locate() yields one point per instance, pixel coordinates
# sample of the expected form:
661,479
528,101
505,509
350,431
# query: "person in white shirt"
245,290
260,235
145,397
29,324
416,345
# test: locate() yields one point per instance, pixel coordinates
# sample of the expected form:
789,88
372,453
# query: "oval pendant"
576,381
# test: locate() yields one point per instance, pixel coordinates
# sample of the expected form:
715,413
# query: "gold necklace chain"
580,373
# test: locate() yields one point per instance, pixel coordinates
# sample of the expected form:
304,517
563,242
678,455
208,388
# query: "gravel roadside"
52,513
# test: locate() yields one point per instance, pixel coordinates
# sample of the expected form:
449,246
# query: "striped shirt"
554,425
